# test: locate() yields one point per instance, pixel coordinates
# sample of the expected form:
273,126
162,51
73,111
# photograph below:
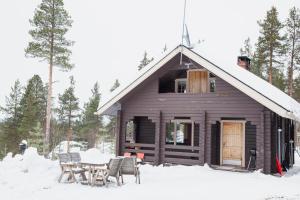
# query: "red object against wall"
278,166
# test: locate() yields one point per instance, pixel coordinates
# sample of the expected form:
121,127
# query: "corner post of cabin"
260,135
202,136
157,138
267,142
118,132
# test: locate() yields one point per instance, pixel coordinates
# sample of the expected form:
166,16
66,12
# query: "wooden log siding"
147,149
226,101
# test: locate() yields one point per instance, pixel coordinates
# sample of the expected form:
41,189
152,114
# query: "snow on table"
31,177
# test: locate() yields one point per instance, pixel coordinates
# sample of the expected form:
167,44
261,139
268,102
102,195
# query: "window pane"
180,133
181,86
212,85
170,133
130,131
184,133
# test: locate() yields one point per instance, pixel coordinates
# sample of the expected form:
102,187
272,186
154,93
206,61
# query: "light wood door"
197,81
232,143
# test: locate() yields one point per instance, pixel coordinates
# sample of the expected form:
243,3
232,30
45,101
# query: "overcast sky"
111,36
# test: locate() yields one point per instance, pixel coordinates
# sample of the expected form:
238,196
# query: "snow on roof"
247,82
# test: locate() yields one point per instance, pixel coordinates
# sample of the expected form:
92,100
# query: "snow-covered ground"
31,177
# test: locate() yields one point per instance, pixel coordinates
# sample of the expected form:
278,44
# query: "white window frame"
188,121
179,80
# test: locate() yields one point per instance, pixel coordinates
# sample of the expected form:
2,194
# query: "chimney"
244,62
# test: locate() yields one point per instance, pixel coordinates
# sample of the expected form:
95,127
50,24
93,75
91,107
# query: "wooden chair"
113,170
65,165
130,167
69,163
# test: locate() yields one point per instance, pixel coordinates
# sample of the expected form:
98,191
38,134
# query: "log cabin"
186,110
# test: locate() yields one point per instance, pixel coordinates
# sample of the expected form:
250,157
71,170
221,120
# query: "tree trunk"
50,82
48,114
69,132
291,69
271,66
290,77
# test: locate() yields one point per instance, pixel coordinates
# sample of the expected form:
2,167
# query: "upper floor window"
187,81
212,82
180,85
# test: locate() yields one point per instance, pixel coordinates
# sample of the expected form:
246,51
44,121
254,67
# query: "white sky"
111,36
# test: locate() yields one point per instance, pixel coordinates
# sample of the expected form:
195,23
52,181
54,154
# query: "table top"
93,164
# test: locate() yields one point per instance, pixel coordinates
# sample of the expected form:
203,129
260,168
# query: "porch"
183,140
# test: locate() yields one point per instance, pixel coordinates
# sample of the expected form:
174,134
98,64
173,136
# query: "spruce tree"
10,136
257,63
12,109
115,86
33,107
145,61
92,123
68,108
50,23
270,42
36,137
293,45
256,58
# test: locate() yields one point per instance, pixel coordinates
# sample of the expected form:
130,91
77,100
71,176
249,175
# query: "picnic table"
93,169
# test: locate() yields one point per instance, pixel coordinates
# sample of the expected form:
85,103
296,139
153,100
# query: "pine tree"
10,136
257,63
296,88
145,61
68,108
293,45
92,123
33,106
115,86
270,42
50,24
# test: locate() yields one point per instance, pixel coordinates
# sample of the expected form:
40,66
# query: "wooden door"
197,81
233,143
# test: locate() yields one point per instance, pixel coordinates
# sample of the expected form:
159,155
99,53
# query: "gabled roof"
245,81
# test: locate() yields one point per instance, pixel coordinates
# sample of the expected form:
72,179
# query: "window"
212,82
140,130
180,85
180,132
130,132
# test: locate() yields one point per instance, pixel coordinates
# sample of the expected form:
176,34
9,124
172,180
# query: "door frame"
243,122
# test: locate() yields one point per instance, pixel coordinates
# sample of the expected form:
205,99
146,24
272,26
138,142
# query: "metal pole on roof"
182,36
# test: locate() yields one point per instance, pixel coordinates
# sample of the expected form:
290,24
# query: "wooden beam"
157,138
118,133
202,135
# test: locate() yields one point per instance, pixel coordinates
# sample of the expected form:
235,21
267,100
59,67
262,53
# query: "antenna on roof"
182,36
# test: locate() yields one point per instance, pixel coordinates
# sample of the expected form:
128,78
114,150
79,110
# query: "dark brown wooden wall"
250,133
145,130
207,108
